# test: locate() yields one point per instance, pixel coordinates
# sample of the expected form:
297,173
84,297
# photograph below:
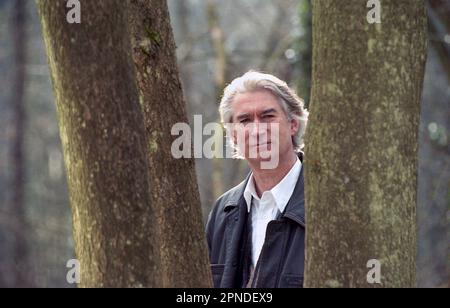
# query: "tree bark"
361,148
174,187
103,136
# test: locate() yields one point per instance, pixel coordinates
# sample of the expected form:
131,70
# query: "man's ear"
295,126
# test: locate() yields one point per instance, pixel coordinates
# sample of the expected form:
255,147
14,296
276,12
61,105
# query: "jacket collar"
295,209
281,192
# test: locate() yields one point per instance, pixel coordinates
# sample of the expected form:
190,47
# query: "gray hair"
292,105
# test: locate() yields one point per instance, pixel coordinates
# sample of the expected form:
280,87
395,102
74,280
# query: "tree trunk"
103,136
361,172
18,208
174,187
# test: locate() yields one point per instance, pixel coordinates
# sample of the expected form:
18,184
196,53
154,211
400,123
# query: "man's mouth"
263,144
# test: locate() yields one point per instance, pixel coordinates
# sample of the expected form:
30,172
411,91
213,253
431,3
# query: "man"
256,231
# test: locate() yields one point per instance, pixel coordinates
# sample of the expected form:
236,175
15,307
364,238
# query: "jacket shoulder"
217,215
231,197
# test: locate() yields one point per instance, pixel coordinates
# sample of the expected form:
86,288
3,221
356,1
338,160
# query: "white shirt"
266,208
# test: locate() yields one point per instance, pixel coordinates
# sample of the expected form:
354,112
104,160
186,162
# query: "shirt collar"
282,192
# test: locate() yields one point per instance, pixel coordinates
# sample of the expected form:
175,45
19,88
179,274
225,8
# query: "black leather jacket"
283,254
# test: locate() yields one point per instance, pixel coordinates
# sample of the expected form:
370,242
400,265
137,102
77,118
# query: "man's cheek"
241,140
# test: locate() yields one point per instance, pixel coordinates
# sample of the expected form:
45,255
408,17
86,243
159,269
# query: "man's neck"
266,179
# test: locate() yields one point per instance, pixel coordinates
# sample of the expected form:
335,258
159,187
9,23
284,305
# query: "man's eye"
245,121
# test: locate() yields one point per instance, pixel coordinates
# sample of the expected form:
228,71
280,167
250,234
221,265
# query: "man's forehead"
248,103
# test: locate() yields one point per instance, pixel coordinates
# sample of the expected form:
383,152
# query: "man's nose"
258,128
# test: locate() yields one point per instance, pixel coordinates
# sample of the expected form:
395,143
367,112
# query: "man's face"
263,129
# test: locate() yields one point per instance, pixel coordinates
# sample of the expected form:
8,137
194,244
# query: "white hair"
292,105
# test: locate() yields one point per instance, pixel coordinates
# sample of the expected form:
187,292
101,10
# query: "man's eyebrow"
242,116
267,111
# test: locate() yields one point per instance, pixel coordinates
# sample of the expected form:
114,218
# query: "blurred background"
217,41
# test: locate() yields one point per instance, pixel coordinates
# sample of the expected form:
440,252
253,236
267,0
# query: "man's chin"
264,159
